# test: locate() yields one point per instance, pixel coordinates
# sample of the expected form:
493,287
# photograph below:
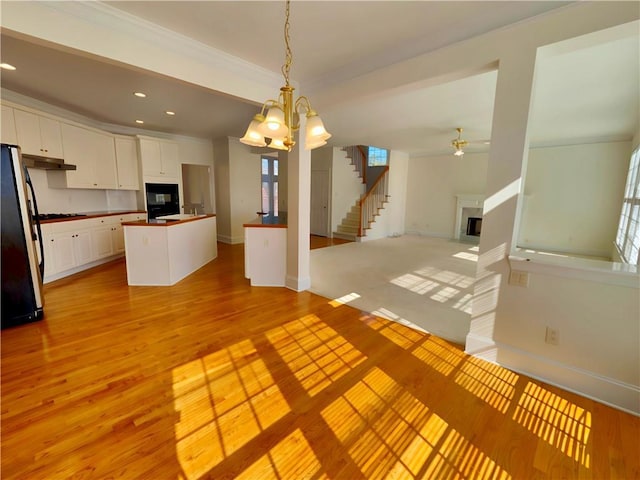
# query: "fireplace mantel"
465,200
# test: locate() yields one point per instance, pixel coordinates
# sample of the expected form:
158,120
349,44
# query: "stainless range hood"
45,163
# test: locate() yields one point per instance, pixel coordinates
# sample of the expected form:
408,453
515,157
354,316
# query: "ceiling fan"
459,143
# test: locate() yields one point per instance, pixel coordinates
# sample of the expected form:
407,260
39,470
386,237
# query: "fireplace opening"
474,225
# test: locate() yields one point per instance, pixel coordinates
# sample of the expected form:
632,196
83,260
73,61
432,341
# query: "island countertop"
86,215
167,222
268,222
164,256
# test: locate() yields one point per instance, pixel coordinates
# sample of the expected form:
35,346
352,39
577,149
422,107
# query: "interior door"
320,203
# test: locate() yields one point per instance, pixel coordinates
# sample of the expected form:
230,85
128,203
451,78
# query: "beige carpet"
423,282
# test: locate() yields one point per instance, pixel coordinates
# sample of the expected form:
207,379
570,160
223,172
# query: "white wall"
573,197
244,176
432,186
346,187
222,188
71,200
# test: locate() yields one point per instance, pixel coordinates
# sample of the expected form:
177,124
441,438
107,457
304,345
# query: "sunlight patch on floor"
389,315
292,457
389,433
314,352
557,421
466,256
210,427
489,382
415,283
439,355
336,302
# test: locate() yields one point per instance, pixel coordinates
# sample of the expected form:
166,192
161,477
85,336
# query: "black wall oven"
162,199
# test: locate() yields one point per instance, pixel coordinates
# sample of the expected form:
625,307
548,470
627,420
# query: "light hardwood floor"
212,378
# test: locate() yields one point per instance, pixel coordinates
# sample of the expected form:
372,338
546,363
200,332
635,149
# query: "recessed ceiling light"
169,112
7,66
139,121
140,94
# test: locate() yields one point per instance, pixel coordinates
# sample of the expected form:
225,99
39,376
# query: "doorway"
319,223
197,189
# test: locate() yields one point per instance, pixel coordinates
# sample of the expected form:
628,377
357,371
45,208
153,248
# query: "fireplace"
474,225
469,214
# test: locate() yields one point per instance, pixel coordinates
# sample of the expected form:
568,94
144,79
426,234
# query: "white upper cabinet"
159,158
38,135
127,162
8,124
93,154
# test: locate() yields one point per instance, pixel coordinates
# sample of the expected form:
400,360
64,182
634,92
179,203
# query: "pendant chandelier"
277,127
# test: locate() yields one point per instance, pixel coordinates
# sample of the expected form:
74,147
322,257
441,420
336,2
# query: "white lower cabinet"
75,245
101,241
70,249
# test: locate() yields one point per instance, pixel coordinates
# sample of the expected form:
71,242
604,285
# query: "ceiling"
334,41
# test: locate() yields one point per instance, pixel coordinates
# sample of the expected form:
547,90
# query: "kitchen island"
265,251
164,251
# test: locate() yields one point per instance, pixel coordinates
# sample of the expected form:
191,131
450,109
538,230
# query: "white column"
505,180
299,212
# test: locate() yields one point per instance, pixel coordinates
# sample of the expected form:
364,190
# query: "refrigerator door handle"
36,221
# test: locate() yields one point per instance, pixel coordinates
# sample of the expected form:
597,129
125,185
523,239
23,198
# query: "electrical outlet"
552,336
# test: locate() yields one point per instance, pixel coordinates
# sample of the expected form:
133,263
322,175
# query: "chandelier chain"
287,65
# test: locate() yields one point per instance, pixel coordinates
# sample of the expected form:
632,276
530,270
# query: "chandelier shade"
252,136
278,126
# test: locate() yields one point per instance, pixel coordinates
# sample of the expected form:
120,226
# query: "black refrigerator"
22,270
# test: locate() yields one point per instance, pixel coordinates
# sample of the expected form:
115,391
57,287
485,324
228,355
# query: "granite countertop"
159,222
85,215
269,221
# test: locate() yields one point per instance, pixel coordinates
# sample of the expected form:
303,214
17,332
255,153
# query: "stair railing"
358,156
372,201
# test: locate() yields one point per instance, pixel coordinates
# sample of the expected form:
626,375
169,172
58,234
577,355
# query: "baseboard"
229,240
428,234
297,284
609,391
81,268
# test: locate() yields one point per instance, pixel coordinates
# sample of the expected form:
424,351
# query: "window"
628,237
270,186
377,157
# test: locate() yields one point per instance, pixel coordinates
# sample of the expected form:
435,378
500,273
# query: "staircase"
350,225
358,220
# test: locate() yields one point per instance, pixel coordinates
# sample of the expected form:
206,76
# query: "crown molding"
115,19
105,18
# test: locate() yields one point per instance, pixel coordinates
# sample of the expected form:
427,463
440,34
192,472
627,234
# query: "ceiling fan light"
459,152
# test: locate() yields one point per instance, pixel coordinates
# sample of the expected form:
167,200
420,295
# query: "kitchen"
84,199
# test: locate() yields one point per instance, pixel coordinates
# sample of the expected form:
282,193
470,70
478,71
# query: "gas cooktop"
53,216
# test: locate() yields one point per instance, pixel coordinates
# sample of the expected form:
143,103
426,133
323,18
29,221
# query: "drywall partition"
244,185
222,188
573,197
432,186
594,312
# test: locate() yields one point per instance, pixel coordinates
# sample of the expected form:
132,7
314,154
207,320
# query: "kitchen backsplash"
68,200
